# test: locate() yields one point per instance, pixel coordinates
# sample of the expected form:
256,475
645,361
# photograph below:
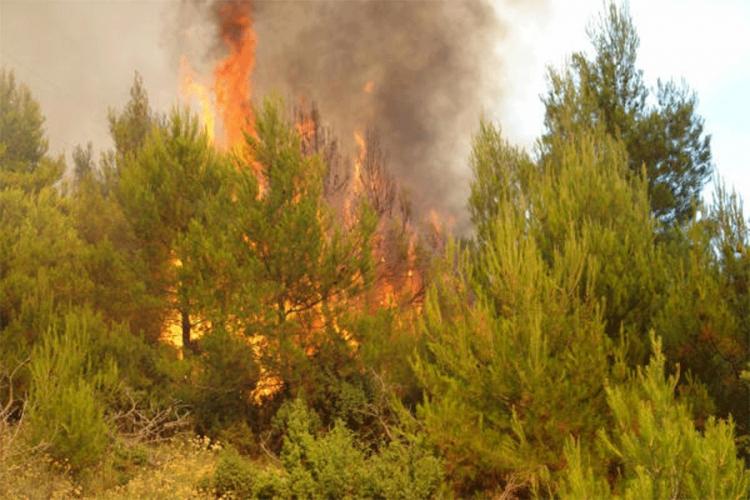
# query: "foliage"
582,189
41,264
162,189
331,465
236,476
23,146
608,91
703,320
269,260
65,411
130,127
227,378
113,259
516,346
657,449
500,171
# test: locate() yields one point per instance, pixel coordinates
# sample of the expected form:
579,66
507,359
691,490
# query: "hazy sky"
705,42
78,57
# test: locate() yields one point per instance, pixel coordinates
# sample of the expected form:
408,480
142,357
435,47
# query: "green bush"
64,411
406,470
330,465
227,374
234,474
335,465
237,476
656,448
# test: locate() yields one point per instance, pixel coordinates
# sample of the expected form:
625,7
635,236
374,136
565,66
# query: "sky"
705,43
78,58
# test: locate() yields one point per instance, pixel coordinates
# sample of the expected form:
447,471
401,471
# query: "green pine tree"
608,90
162,189
655,449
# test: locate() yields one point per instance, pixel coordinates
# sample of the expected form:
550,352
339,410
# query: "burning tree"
279,268
400,253
163,190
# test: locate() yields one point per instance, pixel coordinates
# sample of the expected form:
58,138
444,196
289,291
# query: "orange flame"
191,89
232,74
305,128
356,187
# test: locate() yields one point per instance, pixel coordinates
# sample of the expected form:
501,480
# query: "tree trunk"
186,340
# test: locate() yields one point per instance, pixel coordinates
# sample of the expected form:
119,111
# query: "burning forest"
289,287
401,243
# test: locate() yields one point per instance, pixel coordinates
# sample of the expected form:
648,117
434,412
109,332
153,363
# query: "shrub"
335,465
406,470
64,411
234,474
227,376
239,477
658,450
329,466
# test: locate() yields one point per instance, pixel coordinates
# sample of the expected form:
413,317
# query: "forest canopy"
273,320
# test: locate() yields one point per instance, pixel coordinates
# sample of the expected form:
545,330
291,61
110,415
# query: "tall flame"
190,88
356,186
230,94
232,74
227,102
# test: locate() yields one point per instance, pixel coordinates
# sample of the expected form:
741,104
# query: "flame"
306,128
226,112
356,187
229,96
232,74
191,89
438,226
359,139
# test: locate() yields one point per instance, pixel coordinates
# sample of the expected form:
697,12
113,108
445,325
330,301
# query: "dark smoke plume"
428,62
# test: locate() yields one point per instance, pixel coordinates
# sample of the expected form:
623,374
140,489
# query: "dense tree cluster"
589,339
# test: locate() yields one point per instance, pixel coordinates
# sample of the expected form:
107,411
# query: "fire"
229,96
305,128
359,163
191,89
226,112
232,74
356,185
359,139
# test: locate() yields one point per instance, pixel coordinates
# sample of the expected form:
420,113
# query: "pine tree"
162,189
130,127
608,90
23,146
703,321
113,257
656,449
516,345
271,261
41,266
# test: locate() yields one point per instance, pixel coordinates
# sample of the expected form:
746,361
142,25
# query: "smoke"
418,73
434,67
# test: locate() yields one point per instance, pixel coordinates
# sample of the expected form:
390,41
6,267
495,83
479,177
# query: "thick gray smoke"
418,73
428,63
434,69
